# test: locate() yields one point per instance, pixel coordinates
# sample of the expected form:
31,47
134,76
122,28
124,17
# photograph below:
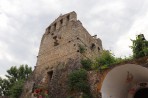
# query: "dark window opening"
61,21
69,41
49,28
68,17
78,50
93,46
142,93
74,44
55,26
77,37
50,73
33,88
52,34
98,48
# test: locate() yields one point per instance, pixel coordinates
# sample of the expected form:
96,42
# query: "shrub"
86,95
106,59
86,64
77,80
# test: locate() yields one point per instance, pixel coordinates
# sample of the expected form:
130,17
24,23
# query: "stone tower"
64,39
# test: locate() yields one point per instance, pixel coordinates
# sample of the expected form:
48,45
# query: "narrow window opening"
61,21
49,29
98,48
50,74
78,50
55,26
74,44
68,17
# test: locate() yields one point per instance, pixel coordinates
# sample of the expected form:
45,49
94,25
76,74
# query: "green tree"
140,46
16,89
12,86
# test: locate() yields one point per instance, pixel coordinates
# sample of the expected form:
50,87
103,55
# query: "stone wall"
59,45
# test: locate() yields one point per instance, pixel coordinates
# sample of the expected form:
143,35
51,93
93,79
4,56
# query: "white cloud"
139,26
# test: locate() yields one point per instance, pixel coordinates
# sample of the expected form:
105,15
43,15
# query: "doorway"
142,93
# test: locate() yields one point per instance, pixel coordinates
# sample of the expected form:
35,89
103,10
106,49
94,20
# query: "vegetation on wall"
77,81
140,46
82,49
13,84
86,63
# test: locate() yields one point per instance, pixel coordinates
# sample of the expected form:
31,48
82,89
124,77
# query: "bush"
86,95
86,64
77,80
106,58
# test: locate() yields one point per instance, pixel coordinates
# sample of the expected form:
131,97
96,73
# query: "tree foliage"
140,46
13,84
16,89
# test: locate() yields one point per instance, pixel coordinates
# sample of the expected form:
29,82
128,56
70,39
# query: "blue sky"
23,22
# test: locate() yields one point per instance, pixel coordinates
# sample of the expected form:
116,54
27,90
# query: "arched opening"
118,81
142,93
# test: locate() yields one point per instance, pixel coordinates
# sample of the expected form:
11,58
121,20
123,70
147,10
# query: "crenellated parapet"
61,21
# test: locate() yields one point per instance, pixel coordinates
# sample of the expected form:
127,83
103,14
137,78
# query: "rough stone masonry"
60,52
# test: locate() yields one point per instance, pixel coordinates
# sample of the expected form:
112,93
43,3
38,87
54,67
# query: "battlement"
61,21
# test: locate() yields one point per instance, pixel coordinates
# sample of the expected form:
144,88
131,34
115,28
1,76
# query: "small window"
49,29
61,21
98,48
55,26
68,17
50,73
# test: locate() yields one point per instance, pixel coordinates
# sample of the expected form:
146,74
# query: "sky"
23,22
